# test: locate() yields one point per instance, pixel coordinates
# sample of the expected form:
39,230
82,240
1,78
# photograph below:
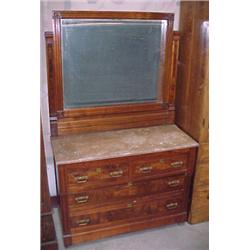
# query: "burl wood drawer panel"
99,173
127,211
102,196
154,166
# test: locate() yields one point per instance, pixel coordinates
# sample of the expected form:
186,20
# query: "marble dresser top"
111,144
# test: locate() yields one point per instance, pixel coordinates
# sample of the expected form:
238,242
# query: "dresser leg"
67,241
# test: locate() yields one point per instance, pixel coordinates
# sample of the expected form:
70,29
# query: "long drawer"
102,196
135,209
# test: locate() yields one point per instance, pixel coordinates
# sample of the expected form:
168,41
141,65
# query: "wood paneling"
200,204
203,153
192,95
192,83
201,175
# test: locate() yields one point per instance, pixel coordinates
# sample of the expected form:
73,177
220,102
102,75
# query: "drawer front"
158,166
128,211
95,175
125,192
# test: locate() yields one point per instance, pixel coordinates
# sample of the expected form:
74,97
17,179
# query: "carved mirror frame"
85,119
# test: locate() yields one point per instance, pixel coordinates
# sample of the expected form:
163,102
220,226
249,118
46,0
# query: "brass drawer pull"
81,179
176,164
172,205
83,222
146,169
174,183
130,184
82,199
131,204
116,174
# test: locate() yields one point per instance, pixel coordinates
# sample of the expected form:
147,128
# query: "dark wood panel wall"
192,95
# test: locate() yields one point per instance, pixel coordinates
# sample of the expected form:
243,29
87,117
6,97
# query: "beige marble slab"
111,144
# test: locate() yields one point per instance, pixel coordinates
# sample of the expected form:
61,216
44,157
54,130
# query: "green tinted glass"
107,62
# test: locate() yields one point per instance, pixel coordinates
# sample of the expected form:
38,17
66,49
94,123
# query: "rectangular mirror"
111,61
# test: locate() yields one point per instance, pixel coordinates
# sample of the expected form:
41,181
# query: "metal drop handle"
116,174
145,169
81,178
172,205
174,183
82,199
83,222
176,164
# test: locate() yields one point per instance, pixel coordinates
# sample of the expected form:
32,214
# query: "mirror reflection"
108,62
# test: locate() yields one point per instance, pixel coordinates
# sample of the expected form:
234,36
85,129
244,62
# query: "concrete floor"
173,237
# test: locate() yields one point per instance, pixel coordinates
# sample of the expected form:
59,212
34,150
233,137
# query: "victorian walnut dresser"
122,164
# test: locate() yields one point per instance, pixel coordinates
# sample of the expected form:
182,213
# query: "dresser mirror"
107,62
110,70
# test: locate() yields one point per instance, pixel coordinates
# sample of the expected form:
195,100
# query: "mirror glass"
108,62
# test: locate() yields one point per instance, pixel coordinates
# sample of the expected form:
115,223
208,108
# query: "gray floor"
174,237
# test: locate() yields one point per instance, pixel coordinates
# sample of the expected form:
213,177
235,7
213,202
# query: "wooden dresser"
122,181
192,96
121,163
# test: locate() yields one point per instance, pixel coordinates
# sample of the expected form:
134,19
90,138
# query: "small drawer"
125,192
158,166
128,211
92,175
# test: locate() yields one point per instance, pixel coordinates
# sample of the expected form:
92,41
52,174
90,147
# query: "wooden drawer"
95,174
151,167
124,192
128,211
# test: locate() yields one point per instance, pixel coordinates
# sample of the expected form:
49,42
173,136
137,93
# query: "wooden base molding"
125,228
